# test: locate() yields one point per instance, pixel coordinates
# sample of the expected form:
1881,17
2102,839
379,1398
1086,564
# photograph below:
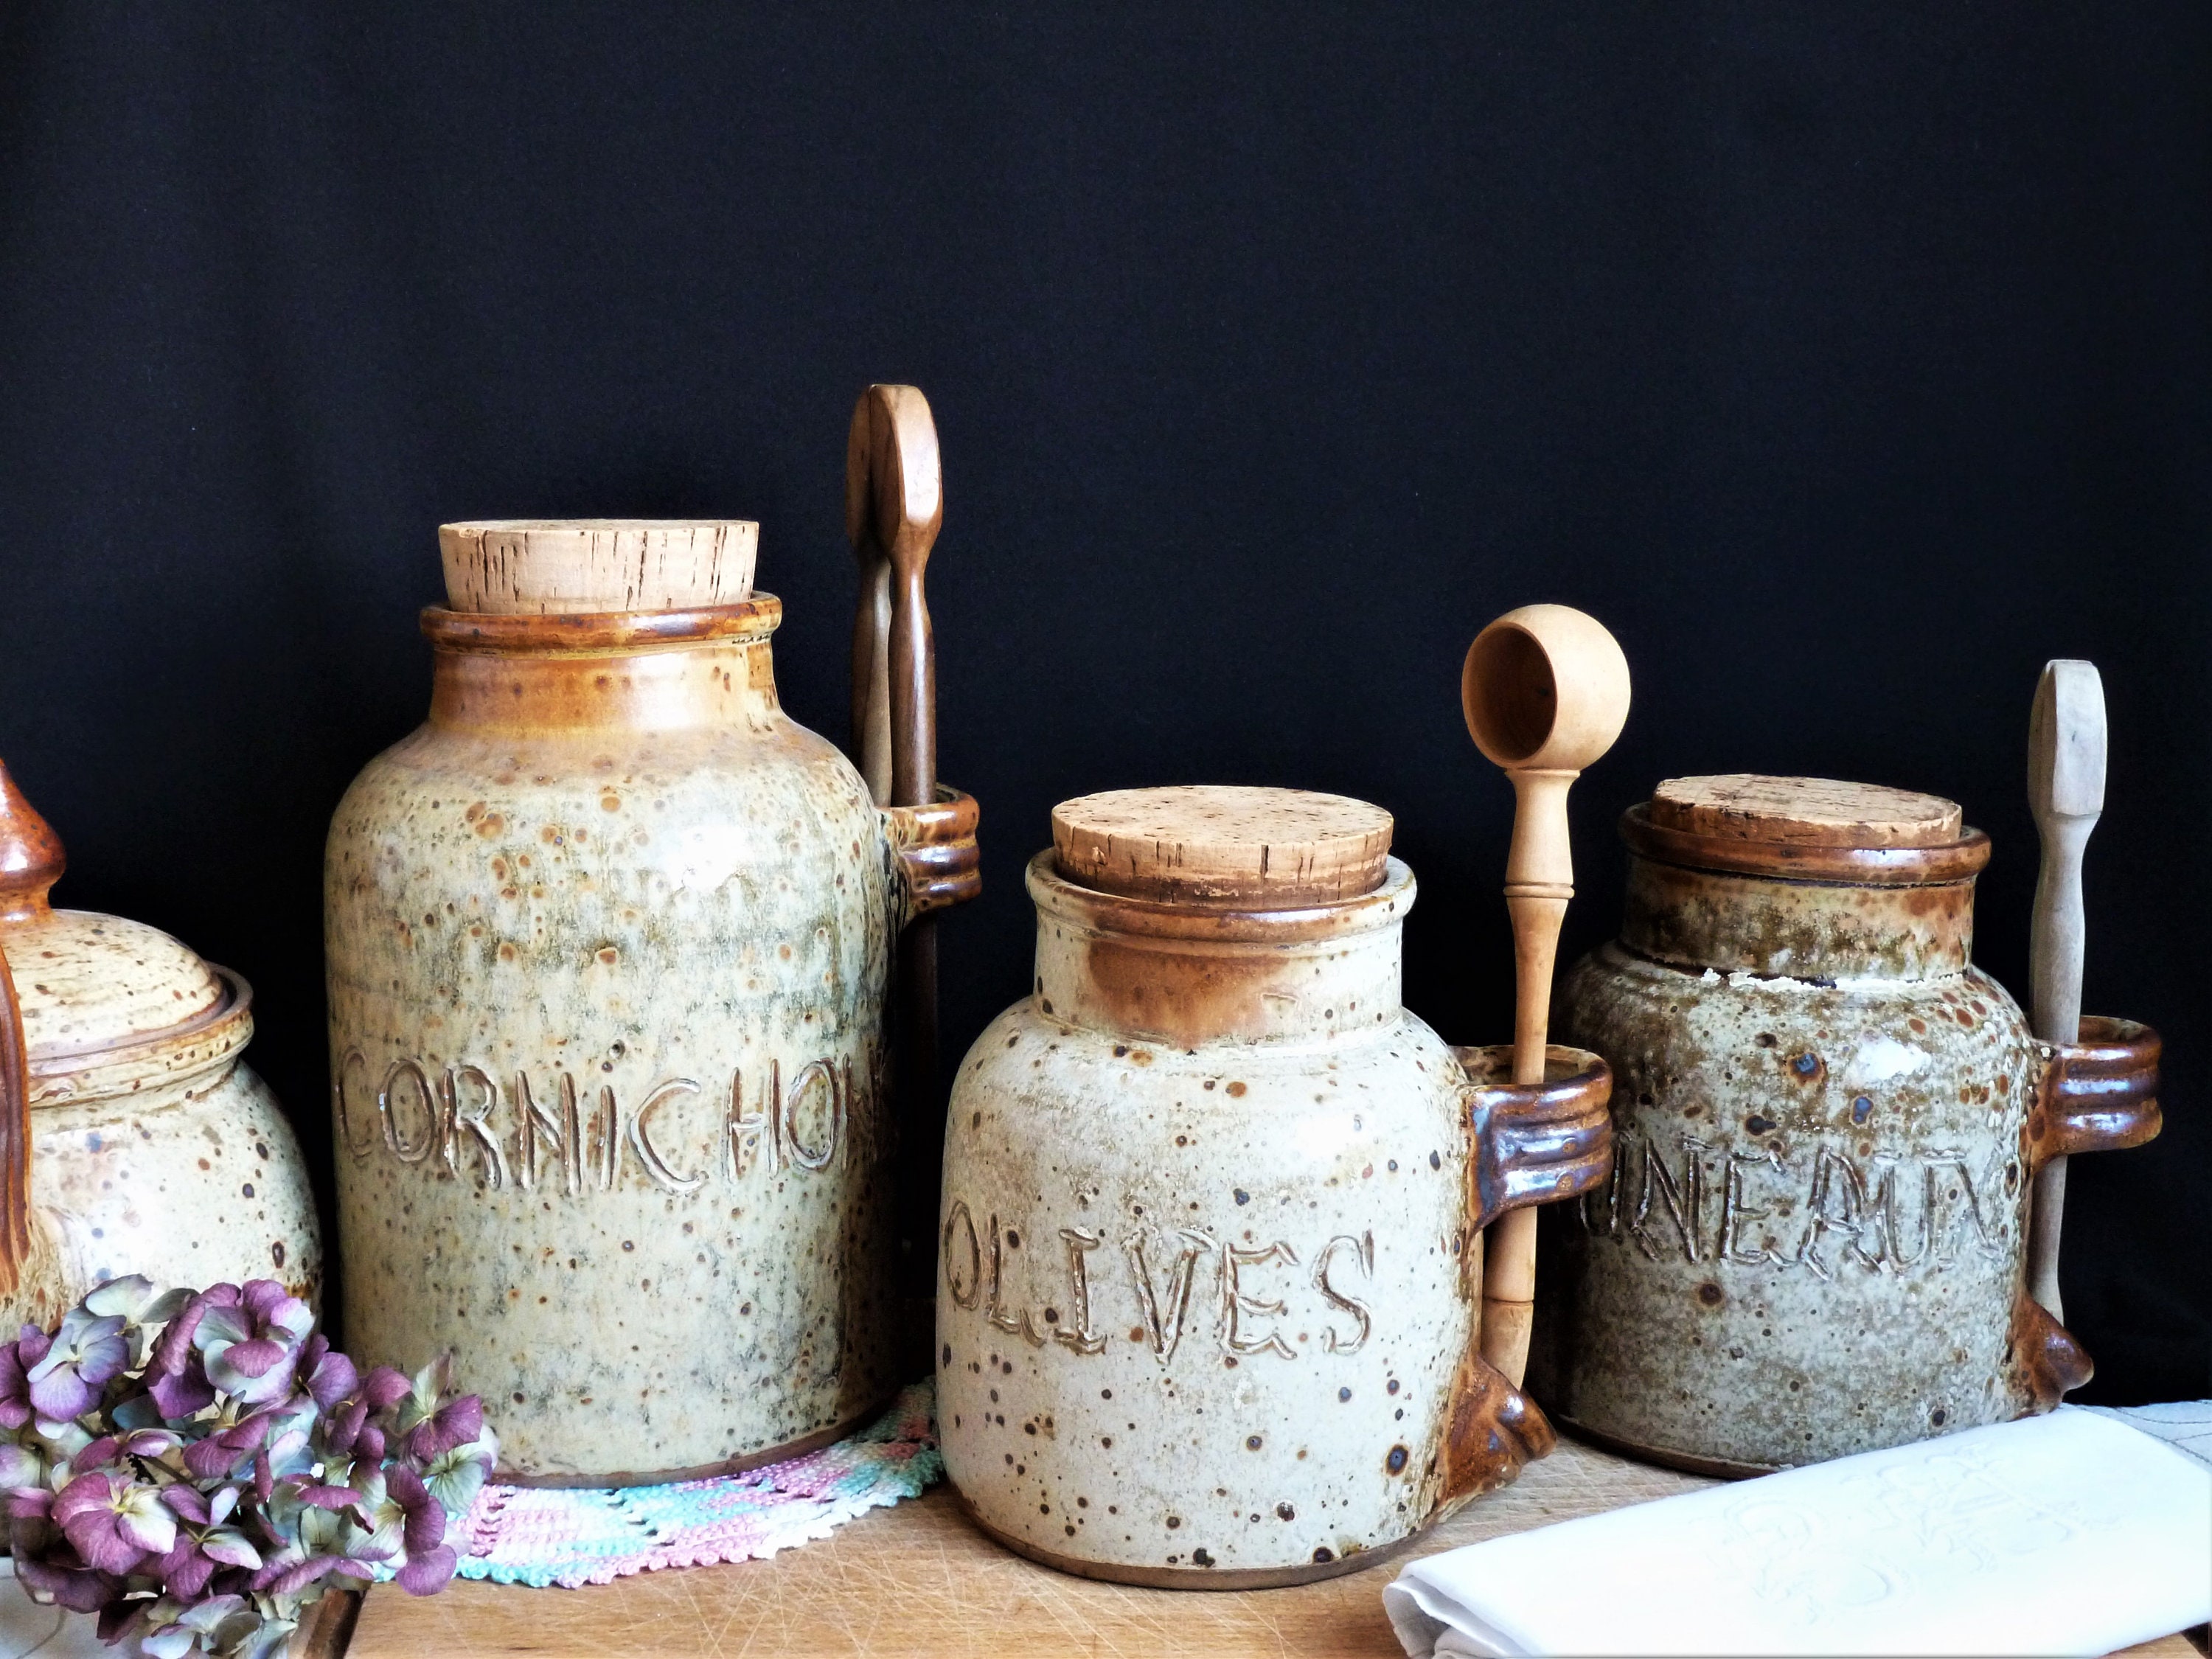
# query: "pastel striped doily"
542,1536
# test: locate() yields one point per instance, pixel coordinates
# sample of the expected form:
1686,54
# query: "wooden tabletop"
917,1580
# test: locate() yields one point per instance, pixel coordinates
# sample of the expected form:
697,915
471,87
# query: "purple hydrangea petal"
187,1502
331,1379
62,1396
426,1574
385,1387
185,1393
254,1358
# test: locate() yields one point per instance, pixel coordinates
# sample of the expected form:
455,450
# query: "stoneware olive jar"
1826,1123
133,1138
608,940
1209,1251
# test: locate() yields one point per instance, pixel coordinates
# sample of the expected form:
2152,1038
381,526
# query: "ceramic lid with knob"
106,1005
1223,844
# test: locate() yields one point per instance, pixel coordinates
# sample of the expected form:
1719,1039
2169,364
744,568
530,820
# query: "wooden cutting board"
917,1580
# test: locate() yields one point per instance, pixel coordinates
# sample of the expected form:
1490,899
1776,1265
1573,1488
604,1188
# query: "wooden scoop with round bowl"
1545,690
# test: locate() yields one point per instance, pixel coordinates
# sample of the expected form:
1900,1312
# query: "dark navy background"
1848,361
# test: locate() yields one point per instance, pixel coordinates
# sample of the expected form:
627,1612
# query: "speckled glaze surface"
1825,1125
152,1148
607,942
1208,1266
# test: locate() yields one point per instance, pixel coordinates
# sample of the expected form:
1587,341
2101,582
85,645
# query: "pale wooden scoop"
2066,793
1545,690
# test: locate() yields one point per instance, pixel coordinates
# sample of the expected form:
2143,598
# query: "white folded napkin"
2070,1534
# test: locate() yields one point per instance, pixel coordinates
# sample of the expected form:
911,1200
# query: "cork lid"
85,983
1808,812
1223,843
1807,828
591,566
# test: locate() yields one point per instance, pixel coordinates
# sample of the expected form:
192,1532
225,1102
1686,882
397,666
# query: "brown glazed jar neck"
658,671
1187,974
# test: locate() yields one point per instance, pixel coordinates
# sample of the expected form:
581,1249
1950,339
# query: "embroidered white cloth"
2070,1534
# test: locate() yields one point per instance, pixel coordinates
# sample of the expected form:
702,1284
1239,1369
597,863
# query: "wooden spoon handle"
894,485
2066,791
872,617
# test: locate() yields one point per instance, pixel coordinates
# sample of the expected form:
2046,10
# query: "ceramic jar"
608,939
133,1138
1209,1249
1827,1122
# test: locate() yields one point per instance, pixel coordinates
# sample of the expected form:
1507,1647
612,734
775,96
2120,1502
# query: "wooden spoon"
1545,690
2066,793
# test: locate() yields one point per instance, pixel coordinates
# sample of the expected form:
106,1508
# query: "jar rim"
1226,923
1940,865
528,634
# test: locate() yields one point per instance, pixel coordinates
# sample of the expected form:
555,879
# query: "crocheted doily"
540,1535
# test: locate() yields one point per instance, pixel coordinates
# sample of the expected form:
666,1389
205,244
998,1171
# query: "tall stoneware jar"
1209,1267
133,1137
608,939
1827,1122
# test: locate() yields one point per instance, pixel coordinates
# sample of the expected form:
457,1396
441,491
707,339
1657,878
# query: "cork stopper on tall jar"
586,567
1223,844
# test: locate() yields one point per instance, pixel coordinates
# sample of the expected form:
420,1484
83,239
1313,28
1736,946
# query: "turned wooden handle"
1545,690
895,502
31,862
872,617
2066,791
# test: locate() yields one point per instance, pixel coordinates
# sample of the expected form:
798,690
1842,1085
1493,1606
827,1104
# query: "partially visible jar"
1826,1122
133,1137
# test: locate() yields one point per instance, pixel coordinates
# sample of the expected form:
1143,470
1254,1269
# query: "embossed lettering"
1683,1198
1163,1329
366,1144
814,1072
959,1216
542,1131
1962,1208
642,1142
1736,1214
994,1310
1838,1203
1079,1335
406,1067
1235,1305
753,1134
476,1121
1362,1252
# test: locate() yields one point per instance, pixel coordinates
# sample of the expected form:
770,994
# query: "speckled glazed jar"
1826,1122
133,1139
1209,1254
608,940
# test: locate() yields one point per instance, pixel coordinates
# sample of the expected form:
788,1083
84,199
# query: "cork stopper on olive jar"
1223,844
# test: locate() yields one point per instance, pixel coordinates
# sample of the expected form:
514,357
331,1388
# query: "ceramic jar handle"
2098,1093
1531,1143
1535,1143
934,850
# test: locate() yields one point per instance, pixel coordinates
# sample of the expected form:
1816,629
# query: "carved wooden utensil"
894,505
1545,690
2066,791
